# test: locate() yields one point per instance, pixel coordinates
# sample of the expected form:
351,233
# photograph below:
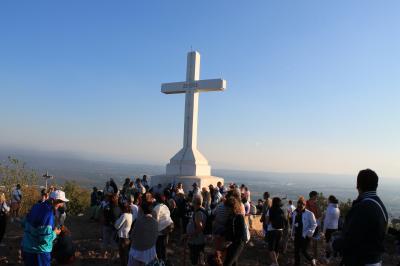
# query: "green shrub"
79,198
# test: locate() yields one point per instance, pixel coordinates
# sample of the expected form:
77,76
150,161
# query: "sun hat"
58,195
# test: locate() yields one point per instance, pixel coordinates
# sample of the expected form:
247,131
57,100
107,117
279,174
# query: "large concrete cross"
189,161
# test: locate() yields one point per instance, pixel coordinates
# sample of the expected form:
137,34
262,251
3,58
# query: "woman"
206,199
331,222
276,222
303,228
235,232
64,249
123,225
4,209
195,227
144,238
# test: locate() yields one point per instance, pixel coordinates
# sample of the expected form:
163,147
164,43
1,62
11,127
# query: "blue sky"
313,86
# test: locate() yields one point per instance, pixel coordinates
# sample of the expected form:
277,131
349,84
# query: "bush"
79,198
14,172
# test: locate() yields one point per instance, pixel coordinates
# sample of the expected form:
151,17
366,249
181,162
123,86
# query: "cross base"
188,162
187,181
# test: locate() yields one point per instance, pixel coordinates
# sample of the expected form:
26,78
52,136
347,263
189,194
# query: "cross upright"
189,161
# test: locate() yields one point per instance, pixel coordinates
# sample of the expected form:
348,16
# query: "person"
144,238
265,208
145,182
114,186
140,187
94,201
179,189
260,205
196,238
16,199
133,203
125,187
216,196
362,238
39,230
4,210
123,225
108,189
289,211
331,222
206,196
162,215
247,194
61,215
235,232
64,248
277,222
221,188
312,205
44,195
303,228
111,212
196,190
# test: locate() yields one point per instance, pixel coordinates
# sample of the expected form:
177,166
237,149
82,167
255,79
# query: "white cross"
189,161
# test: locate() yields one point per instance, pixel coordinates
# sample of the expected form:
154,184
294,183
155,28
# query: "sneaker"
314,262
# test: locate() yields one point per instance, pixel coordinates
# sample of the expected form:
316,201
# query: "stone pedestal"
187,181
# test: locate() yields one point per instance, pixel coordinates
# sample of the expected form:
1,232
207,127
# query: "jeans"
233,252
161,247
301,245
37,259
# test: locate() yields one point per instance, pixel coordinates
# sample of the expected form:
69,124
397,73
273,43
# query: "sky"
312,86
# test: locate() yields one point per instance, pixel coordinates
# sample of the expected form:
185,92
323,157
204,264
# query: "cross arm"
197,86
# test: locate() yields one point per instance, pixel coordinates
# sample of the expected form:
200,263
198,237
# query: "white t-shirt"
134,211
290,209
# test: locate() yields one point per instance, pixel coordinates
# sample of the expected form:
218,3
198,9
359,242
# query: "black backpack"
277,218
207,230
230,233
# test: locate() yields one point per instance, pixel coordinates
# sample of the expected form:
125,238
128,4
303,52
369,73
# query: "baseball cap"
58,195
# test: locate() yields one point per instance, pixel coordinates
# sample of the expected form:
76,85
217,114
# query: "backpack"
207,229
277,218
230,232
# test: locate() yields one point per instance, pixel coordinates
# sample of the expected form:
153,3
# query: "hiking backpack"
207,229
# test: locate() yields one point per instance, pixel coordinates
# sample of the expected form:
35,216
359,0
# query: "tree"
79,198
14,172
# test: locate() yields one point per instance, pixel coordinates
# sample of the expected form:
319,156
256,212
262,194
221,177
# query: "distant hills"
89,173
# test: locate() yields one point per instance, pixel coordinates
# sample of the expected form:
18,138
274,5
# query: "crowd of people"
137,220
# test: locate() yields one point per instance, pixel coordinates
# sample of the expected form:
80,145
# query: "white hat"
58,195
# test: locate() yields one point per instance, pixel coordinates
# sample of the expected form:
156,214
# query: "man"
303,228
162,215
16,198
94,202
39,230
221,188
312,206
195,227
365,225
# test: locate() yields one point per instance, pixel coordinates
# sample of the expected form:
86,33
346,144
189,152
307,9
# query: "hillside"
87,237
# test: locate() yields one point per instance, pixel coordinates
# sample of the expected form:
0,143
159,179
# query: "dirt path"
87,237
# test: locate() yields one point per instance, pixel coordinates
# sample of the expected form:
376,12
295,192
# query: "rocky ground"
87,237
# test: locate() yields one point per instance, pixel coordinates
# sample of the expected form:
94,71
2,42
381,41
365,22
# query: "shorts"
328,234
274,239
